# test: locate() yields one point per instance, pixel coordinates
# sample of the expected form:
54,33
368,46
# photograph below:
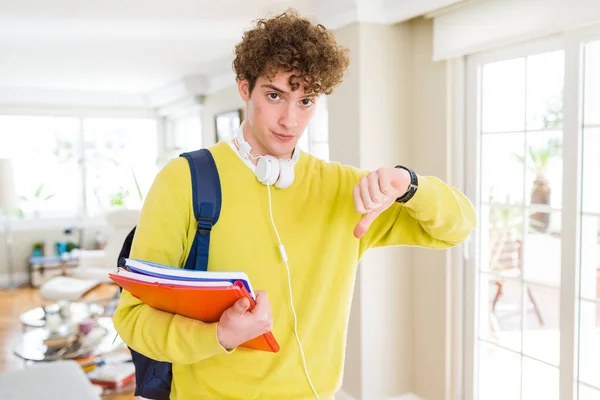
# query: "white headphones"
269,170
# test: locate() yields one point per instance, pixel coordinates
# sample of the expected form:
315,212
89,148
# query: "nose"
288,117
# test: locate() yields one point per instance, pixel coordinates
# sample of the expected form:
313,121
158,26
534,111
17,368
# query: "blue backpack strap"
206,195
154,377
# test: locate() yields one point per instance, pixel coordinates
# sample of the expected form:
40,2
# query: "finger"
385,182
364,193
374,191
241,306
365,223
263,307
358,204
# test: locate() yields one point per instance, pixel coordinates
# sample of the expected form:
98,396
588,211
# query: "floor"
15,301
525,362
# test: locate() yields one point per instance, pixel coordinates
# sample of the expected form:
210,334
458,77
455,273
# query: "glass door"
516,141
589,273
532,304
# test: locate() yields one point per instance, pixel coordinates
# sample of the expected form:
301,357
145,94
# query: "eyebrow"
275,88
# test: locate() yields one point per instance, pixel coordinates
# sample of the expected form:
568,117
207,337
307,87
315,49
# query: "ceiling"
139,46
127,46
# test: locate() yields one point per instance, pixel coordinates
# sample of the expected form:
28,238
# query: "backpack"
153,378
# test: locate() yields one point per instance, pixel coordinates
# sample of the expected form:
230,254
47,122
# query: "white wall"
431,277
385,274
369,127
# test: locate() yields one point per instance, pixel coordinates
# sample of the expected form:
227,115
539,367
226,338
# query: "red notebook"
204,303
113,376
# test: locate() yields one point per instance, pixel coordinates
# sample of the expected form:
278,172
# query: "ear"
244,89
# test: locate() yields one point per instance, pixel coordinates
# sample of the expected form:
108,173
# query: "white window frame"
572,43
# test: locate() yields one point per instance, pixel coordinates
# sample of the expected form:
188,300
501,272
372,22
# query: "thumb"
365,223
241,306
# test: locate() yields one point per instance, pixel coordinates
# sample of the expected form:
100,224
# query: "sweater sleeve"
438,216
162,236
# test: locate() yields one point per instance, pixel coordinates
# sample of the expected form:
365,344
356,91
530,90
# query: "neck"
257,149
249,138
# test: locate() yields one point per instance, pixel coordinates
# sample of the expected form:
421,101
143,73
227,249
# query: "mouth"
283,136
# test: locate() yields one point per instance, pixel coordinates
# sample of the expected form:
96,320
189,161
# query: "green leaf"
137,185
38,191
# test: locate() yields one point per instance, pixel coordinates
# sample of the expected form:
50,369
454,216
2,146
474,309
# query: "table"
30,345
41,265
79,311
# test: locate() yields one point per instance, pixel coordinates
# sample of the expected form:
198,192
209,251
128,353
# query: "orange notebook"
204,303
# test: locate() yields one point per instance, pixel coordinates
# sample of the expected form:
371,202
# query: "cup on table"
86,326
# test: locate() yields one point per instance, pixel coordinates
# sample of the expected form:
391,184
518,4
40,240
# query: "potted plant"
537,162
119,197
37,249
38,197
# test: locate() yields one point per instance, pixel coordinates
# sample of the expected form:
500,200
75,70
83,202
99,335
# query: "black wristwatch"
412,188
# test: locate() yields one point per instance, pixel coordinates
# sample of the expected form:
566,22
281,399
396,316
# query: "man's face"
276,116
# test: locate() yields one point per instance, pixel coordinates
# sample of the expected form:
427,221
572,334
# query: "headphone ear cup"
267,170
286,174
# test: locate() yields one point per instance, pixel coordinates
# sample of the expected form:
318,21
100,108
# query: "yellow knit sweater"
315,218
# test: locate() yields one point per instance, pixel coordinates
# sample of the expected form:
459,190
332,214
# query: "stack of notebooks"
113,376
202,295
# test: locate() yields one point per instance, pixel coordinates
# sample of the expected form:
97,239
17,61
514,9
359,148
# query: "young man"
327,217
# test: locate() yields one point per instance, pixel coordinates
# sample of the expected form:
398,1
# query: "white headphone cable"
285,260
250,157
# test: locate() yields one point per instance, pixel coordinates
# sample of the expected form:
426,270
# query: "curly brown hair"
291,43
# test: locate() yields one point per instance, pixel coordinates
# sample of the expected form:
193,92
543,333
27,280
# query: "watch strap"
412,188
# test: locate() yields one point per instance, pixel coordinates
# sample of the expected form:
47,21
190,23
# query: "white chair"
93,265
67,288
64,380
96,264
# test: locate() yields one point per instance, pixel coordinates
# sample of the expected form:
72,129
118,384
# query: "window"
519,272
315,139
534,164
45,156
589,272
227,124
67,167
119,161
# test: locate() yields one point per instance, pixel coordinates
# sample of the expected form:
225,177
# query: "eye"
273,96
307,102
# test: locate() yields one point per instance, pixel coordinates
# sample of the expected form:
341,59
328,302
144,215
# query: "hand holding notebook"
238,324
207,296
